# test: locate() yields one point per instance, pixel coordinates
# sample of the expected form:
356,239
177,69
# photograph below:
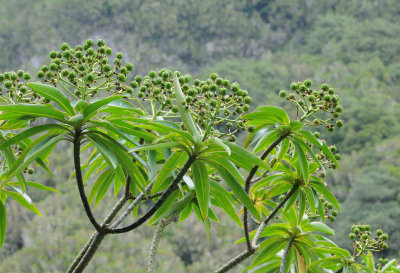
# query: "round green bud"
331,129
64,73
311,98
67,54
246,107
223,91
232,138
338,156
251,129
332,219
40,74
356,230
379,232
331,91
165,75
229,125
329,206
335,115
109,51
352,236
386,260
218,81
124,70
121,77
174,109
385,246
20,73
102,50
301,103
333,148
79,54
365,236
53,54
235,88
317,134
53,67
334,213
140,95
291,96
49,75
196,82
91,52
13,76
1,77
205,88
302,88
100,42
214,76
81,105
44,68
239,110
384,237
119,55
293,86
187,78
191,92
307,83
89,78
129,66
168,85
213,103
134,84
324,87
81,67
27,76
226,83
213,87
152,74
248,100
380,260
339,123
138,79
106,68
30,171
282,94
7,84
71,75
104,61
23,89
64,46
185,87
327,98
90,42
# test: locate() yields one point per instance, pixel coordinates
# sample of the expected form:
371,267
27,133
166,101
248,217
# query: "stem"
244,255
235,261
154,244
285,253
94,238
247,188
79,181
159,202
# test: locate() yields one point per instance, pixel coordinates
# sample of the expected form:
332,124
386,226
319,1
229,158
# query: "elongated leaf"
92,108
32,110
30,132
3,223
302,160
202,186
241,154
164,207
107,153
166,171
220,144
14,124
266,140
35,185
149,147
320,187
103,188
269,113
184,113
268,248
23,201
22,162
221,196
235,186
228,166
53,94
318,226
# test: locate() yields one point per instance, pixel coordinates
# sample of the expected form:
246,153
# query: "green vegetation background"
265,45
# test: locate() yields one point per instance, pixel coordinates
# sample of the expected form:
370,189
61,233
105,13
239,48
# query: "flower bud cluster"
13,87
364,240
330,212
216,105
310,101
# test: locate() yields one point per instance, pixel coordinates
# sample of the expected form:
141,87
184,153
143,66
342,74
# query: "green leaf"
23,201
302,159
103,179
295,125
239,153
221,196
30,132
31,110
92,108
328,152
35,185
14,124
164,207
332,250
220,144
235,186
227,165
387,266
30,155
104,186
166,171
202,186
320,187
53,94
3,223
269,248
318,226
184,113
149,147
270,114
107,153
266,140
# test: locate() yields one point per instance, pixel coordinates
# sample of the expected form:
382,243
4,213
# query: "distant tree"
169,140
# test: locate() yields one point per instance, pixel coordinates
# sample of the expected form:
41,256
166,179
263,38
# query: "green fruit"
81,105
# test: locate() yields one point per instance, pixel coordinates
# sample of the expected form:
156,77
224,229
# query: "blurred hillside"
353,45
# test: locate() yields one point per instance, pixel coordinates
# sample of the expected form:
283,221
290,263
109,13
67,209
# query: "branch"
79,181
154,244
244,255
159,202
285,253
247,188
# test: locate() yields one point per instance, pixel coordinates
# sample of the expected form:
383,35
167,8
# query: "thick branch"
79,181
285,253
244,255
154,244
159,202
247,188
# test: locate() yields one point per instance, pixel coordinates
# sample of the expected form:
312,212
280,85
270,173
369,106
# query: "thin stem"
159,202
79,181
154,244
235,261
285,253
247,187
